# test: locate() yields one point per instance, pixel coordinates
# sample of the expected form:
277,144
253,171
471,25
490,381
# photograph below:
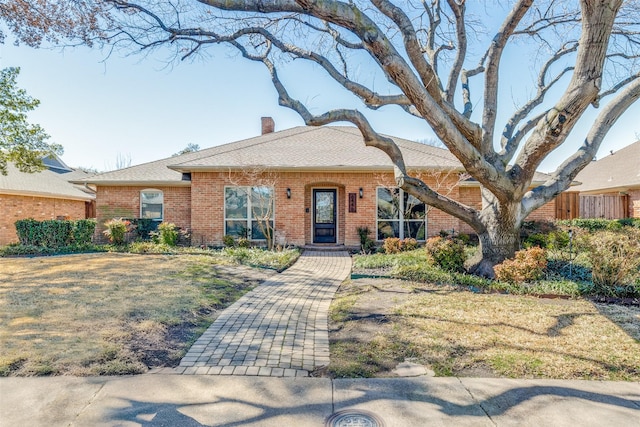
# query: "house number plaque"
352,202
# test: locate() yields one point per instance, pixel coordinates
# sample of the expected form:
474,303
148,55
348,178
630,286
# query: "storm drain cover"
354,418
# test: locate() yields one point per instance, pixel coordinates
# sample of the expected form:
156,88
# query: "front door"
324,216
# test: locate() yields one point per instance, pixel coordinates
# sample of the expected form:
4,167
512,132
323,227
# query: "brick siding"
40,208
124,202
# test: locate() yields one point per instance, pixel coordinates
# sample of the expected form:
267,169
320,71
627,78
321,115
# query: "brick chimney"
268,125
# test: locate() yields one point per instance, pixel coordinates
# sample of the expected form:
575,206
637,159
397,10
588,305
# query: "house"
48,194
607,188
314,185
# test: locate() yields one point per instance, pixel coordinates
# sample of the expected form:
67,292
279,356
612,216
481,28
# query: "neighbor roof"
300,148
46,183
618,171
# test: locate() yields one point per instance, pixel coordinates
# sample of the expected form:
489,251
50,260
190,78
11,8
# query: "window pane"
262,202
413,208
151,204
256,230
388,204
151,211
235,202
236,228
415,229
388,229
325,208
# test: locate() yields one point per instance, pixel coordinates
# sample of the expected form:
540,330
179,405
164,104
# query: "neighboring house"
610,187
42,195
315,185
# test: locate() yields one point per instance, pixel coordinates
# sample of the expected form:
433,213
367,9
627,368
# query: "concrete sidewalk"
205,400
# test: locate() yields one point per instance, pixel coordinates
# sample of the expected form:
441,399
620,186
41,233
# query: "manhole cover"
354,418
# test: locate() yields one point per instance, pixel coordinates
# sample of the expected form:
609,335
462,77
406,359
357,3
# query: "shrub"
528,265
229,241
409,244
48,233
367,245
244,242
392,245
116,230
168,233
448,254
83,230
144,227
615,260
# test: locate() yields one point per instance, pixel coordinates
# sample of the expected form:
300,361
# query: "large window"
400,215
248,211
152,204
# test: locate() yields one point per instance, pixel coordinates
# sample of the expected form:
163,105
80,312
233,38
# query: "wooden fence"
607,206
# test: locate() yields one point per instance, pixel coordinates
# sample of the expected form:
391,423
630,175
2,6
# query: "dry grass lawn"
378,323
104,314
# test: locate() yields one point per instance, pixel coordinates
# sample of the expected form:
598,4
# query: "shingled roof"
618,171
300,148
47,183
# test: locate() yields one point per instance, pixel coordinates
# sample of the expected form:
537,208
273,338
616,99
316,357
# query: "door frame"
336,222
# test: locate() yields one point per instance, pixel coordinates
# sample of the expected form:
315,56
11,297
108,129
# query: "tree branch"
567,171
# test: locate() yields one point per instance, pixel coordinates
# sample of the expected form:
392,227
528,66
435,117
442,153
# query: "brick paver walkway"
278,329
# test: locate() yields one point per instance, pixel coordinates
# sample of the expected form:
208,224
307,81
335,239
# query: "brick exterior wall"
201,207
39,208
124,202
634,203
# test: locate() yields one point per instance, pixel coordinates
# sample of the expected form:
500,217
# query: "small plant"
527,265
168,233
116,230
229,241
392,245
409,244
615,261
367,245
244,242
447,253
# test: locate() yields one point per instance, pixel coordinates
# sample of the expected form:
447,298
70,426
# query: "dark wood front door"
324,216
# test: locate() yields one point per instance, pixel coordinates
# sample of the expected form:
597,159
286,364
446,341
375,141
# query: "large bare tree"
584,55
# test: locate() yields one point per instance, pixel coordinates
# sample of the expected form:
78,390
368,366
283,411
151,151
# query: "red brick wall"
39,208
634,203
124,202
201,207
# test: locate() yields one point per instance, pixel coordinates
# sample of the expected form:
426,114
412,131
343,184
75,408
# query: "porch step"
329,248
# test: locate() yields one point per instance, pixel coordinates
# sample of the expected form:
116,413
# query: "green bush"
116,230
229,241
615,261
448,254
168,233
527,265
83,230
244,242
367,245
53,233
144,227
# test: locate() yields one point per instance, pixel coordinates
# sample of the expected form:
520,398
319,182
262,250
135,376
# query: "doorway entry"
324,216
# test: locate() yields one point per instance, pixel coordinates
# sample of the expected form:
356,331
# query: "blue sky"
137,107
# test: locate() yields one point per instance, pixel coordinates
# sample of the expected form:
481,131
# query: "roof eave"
42,194
135,183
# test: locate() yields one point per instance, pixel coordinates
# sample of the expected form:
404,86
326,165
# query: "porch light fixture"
288,193
361,192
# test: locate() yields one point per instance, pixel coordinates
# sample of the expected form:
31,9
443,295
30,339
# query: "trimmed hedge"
54,233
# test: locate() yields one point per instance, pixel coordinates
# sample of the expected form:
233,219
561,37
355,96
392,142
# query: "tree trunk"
500,240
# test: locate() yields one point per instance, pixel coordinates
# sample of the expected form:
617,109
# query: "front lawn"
377,323
115,313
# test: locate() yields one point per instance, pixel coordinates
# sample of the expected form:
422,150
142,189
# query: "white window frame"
249,219
152,190
401,220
